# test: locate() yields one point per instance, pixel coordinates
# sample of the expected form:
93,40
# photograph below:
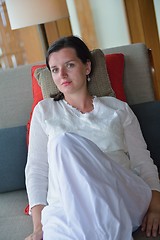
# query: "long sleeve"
37,163
140,159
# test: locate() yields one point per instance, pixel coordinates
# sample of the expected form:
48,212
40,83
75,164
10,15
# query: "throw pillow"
37,95
99,85
115,68
37,92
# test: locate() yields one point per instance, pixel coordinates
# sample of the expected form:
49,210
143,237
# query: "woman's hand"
35,236
151,221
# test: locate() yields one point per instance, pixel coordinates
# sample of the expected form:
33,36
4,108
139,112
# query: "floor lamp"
35,12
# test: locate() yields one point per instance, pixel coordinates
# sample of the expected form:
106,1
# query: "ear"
88,67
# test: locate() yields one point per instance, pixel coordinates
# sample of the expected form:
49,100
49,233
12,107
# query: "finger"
143,225
149,225
155,227
29,237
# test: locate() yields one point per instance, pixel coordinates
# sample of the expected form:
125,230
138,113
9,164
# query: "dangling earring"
88,78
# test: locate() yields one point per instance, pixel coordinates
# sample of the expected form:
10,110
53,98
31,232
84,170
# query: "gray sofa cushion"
148,115
15,96
137,80
14,224
13,155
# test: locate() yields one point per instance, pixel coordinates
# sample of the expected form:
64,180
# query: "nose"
63,72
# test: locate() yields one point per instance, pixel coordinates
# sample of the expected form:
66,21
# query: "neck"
82,103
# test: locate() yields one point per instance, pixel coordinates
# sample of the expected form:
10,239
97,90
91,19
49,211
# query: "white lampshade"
24,13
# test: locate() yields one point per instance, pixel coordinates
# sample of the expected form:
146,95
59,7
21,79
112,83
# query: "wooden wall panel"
57,29
86,23
51,31
31,40
64,27
143,28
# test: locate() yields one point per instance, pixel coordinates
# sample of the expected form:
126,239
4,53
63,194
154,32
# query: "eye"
70,65
54,70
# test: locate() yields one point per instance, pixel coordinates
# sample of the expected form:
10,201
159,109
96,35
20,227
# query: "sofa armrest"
148,115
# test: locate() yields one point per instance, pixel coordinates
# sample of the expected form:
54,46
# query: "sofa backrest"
15,106
16,90
138,82
15,96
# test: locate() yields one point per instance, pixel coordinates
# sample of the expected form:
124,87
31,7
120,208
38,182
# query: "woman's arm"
37,171
140,160
36,217
37,226
37,162
143,165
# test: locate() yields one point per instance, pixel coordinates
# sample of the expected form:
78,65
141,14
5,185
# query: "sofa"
16,100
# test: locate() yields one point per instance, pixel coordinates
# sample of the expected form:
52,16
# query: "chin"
67,90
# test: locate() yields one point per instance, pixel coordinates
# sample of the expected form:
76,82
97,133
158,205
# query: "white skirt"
90,197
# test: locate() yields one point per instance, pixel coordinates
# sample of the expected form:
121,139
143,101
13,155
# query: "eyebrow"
71,60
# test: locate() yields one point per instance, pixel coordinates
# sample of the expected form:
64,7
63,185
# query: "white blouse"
111,125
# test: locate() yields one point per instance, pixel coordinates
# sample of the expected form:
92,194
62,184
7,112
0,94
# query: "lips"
66,83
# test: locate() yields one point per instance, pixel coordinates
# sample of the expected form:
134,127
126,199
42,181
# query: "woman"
88,174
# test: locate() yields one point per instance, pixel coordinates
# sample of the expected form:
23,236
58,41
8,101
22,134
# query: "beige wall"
157,11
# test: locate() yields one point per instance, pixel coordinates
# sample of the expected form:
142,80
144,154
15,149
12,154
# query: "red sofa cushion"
115,68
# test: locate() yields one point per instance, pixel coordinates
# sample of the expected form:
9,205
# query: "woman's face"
68,71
